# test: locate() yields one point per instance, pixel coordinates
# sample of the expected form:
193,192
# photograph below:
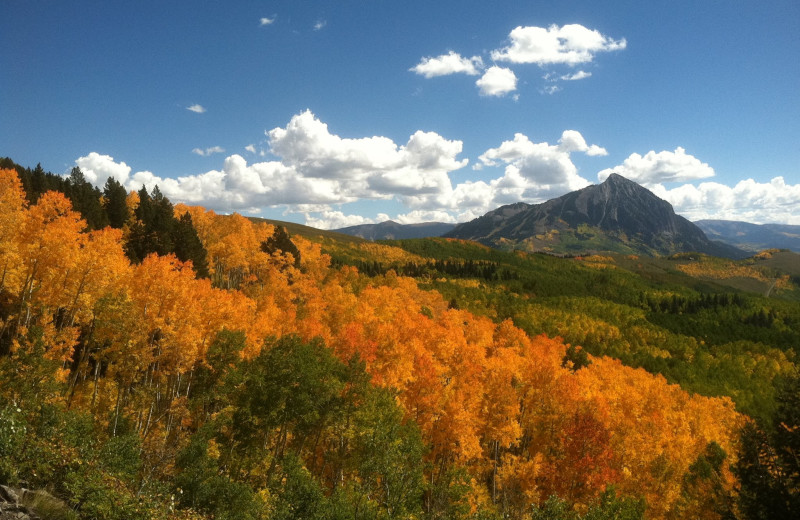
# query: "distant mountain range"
753,237
618,215
391,230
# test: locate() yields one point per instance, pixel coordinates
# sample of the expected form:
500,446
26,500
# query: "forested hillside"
185,364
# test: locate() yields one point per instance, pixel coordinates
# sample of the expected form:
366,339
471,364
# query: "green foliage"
446,495
298,495
13,431
120,457
296,433
200,485
608,507
387,455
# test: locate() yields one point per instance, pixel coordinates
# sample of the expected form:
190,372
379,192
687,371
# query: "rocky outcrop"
24,504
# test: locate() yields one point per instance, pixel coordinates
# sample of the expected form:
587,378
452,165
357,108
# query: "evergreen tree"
280,242
156,230
162,223
85,199
188,245
115,203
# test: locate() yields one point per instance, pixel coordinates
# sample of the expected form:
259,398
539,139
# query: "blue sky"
339,113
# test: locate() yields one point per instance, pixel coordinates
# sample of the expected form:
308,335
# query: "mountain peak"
615,177
617,215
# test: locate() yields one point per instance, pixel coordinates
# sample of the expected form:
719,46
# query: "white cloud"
98,168
748,200
208,151
197,109
250,148
372,167
534,172
266,21
320,24
664,166
573,141
451,63
316,170
581,74
330,219
571,45
497,81
537,171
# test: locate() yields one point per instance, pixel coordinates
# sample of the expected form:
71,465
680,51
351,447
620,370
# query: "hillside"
327,376
615,216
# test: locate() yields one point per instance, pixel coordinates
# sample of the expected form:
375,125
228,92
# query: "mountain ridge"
391,230
752,237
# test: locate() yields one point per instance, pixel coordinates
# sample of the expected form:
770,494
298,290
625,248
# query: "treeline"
148,218
676,304
481,269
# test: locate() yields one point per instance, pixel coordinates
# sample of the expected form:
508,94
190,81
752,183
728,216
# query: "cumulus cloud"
316,170
573,141
451,63
571,45
372,167
497,81
98,168
208,151
540,170
250,148
664,166
750,201
320,24
266,21
197,109
329,219
554,46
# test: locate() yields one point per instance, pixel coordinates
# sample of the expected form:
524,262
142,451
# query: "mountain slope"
752,237
617,215
391,230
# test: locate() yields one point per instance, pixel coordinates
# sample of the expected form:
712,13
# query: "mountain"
616,216
391,230
753,237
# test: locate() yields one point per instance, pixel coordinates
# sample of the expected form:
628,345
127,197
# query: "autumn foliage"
126,342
